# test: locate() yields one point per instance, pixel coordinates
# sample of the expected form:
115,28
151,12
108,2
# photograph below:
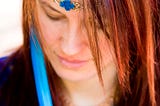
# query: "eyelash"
58,19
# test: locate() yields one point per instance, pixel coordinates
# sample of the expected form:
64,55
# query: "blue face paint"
68,4
40,74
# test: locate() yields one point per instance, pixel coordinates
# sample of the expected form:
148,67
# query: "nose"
73,39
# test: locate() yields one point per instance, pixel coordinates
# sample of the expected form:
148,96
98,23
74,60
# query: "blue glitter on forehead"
67,4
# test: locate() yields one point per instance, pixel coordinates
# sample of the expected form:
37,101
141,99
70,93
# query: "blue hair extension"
40,74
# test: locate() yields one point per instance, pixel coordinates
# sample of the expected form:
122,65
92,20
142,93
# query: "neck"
90,92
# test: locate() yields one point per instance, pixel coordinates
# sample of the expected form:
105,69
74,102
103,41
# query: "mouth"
72,63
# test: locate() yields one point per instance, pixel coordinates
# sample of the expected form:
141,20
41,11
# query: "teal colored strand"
40,74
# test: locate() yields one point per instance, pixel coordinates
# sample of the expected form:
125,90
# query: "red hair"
134,32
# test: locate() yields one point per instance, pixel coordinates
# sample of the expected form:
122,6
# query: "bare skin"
69,53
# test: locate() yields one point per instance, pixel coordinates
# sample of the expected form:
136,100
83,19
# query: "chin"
76,75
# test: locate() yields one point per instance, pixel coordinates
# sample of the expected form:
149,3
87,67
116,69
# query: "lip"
72,63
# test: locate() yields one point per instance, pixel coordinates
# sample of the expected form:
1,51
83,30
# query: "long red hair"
133,28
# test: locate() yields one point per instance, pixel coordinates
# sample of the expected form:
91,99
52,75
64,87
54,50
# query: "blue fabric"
4,73
2,62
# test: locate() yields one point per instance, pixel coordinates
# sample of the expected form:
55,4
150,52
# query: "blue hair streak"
40,74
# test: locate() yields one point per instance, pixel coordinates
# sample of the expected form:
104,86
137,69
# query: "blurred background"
10,26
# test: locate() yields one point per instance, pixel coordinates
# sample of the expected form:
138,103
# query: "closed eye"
51,12
54,17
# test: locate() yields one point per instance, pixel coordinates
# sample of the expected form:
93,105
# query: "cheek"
51,31
106,51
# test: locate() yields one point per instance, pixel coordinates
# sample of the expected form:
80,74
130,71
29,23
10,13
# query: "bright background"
10,26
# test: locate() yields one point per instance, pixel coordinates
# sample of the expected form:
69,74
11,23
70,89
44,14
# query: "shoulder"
8,65
5,69
16,81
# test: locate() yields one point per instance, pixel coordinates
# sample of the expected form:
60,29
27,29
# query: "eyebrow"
49,6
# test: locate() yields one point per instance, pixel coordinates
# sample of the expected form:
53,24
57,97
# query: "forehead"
53,4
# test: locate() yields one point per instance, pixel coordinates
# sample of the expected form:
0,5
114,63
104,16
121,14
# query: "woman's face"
67,44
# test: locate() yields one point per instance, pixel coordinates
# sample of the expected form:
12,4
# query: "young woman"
85,53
